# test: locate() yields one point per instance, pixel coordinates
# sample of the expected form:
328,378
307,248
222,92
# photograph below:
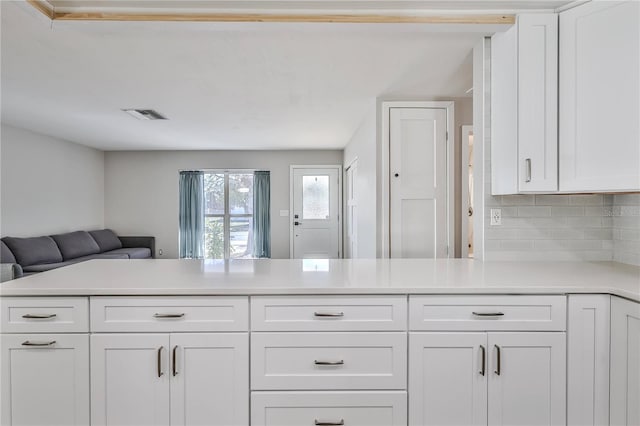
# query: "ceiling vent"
145,114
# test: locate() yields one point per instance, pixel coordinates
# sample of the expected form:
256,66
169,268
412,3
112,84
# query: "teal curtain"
191,218
261,214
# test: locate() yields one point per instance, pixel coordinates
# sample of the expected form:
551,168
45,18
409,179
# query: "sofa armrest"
10,271
148,242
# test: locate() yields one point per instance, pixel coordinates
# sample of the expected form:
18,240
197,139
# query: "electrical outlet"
496,217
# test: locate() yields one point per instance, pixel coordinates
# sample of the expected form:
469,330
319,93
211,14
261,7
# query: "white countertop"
362,276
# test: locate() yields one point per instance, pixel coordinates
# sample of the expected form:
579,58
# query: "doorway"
316,202
351,214
419,159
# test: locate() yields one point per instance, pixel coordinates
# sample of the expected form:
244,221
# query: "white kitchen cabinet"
169,379
588,334
500,378
625,363
527,379
129,379
448,379
209,379
44,379
524,106
599,97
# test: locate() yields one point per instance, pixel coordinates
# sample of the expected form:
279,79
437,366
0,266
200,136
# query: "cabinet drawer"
315,361
490,313
326,313
167,314
329,408
44,315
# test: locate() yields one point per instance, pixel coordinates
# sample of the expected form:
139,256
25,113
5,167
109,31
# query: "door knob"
296,223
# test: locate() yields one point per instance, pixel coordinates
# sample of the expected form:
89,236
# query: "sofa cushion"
42,267
106,239
104,256
32,251
76,244
5,254
133,252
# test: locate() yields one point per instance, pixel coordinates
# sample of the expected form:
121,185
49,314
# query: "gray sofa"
39,254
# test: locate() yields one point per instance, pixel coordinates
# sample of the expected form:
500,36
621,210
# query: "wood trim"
306,18
43,7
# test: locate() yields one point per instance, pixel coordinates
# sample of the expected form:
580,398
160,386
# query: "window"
228,212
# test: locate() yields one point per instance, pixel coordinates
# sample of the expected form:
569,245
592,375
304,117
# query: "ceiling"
222,85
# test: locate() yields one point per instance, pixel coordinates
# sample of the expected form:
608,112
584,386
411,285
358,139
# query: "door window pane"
315,197
240,193
240,237
214,193
214,238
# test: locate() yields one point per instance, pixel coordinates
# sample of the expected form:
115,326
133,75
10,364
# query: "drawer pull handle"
484,359
316,362
488,314
328,314
168,315
321,423
29,343
39,316
497,371
160,372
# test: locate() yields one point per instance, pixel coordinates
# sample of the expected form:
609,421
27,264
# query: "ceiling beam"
43,7
501,19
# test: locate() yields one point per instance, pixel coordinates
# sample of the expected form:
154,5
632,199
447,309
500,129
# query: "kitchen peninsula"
322,342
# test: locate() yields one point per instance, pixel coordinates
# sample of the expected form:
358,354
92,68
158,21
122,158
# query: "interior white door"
418,182
448,380
316,213
625,362
351,228
209,379
46,384
130,379
527,379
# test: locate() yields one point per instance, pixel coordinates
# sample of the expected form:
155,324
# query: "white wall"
141,189
363,147
48,185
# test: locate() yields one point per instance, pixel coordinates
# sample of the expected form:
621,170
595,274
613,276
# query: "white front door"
418,182
315,216
351,229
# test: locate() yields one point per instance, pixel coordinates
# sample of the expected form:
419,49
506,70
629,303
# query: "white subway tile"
552,200
568,211
534,211
518,200
587,199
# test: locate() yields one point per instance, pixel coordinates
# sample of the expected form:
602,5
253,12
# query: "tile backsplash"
626,228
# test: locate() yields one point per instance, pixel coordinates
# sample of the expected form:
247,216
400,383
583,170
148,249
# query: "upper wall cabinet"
524,106
600,97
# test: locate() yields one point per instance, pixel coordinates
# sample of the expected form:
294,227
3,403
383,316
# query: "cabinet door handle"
323,423
30,343
484,360
497,370
488,314
527,163
160,372
316,362
168,315
174,368
328,314
39,316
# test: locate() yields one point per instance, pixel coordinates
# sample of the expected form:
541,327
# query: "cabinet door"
44,379
538,102
209,379
588,360
129,379
600,97
625,362
448,379
527,379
